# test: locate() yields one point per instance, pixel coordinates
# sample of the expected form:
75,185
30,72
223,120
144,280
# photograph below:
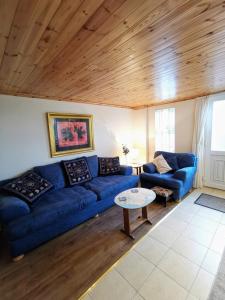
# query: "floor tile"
160,287
223,219
134,268
179,268
210,214
183,216
189,207
204,223
175,224
190,249
151,249
112,286
163,234
218,242
198,235
219,193
191,297
202,285
192,197
211,262
137,297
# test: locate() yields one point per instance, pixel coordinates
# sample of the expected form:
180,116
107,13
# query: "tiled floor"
177,259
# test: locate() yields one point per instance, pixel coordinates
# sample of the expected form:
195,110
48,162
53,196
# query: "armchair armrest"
12,208
149,168
125,170
184,173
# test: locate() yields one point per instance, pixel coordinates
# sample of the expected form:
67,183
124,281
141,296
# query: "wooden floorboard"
67,266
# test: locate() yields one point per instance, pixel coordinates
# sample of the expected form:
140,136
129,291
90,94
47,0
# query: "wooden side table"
133,199
163,192
137,167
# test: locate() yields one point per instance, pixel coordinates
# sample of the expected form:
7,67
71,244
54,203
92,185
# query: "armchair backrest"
183,159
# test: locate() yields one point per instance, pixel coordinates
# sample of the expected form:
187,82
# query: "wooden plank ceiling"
129,53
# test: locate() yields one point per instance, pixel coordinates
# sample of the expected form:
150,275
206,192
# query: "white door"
215,147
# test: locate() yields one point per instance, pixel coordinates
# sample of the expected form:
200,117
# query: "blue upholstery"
149,168
125,170
106,186
180,181
184,159
162,180
61,208
93,165
12,208
50,208
47,233
53,173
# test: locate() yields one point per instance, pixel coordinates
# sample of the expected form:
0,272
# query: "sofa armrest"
125,170
185,173
12,208
149,168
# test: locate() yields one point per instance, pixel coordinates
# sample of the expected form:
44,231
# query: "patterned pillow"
161,164
29,186
77,171
109,165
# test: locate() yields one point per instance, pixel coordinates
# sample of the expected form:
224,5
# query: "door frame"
208,153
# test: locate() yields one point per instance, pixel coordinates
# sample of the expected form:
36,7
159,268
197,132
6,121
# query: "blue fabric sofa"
61,208
179,180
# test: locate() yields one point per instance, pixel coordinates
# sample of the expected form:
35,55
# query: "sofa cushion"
109,186
183,159
125,170
109,165
172,162
163,180
12,208
186,160
29,186
54,173
77,170
93,165
51,208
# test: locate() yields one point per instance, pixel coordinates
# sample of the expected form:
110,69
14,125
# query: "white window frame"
165,129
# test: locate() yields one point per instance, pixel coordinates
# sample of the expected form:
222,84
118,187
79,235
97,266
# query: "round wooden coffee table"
133,199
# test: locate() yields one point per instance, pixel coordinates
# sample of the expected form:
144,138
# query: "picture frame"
70,133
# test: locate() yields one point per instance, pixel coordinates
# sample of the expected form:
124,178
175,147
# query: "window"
165,129
218,126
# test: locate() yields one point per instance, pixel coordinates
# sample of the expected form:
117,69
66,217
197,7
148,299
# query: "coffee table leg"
145,214
126,220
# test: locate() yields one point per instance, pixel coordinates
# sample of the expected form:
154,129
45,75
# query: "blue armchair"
180,180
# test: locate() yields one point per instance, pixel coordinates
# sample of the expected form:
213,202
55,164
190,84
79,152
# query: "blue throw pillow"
77,171
109,165
29,186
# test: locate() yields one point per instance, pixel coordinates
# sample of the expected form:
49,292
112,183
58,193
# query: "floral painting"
70,133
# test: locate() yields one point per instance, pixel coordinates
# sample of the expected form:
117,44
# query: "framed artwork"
70,133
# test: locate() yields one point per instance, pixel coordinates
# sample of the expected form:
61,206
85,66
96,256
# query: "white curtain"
202,111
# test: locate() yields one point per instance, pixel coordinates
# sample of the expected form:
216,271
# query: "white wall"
139,133
184,125
144,136
24,139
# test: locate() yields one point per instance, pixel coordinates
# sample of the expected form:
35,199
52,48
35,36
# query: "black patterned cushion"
77,171
29,186
109,165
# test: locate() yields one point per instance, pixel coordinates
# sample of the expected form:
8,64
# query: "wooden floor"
67,266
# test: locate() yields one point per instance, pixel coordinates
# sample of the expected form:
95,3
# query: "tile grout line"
168,248
198,266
